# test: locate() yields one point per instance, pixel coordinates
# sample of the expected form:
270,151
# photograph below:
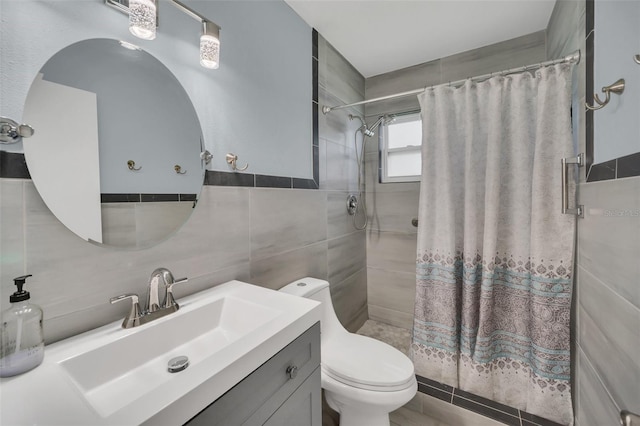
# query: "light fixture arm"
186,10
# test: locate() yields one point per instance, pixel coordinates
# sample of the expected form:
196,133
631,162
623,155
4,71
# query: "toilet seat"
366,363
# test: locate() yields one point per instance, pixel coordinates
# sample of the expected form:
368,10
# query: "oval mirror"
116,150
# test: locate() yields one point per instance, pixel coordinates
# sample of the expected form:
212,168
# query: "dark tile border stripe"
486,407
436,393
602,171
265,181
628,166
142,198
214,177
13,165
487,402
486,411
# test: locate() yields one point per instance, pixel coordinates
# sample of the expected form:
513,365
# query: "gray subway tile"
393,211
339,222
346,256
336,126
339,76
608,243
610,330
402,80
562,29
350,298
391,317
391,289
391,251
276,271
12,244
512,53
285,219
595,406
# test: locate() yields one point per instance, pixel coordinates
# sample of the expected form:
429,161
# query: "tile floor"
440,413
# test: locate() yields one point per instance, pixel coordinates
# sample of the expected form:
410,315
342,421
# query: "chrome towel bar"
579,160
629,419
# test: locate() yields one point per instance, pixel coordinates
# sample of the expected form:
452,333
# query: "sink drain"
177,364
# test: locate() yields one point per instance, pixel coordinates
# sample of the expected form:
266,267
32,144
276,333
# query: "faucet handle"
132,319
169,301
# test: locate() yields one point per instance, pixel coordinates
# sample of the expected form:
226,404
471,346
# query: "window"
401,146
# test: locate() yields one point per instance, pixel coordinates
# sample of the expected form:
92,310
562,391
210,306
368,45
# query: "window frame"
383,138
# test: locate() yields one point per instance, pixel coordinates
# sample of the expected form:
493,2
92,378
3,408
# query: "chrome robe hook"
12,132
617,88
132,165
232,159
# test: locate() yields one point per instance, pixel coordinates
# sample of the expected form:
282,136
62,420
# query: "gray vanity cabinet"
284,391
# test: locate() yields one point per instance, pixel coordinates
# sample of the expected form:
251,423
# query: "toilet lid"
366,363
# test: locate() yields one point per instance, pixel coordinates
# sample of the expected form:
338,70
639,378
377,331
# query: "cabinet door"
259,395
303,408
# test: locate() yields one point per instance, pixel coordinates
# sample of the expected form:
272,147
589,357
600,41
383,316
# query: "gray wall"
258,99
607,289
616,41
263,236
391,239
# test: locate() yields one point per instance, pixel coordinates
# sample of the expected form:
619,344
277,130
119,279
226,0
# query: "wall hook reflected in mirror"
617,88
206,156
178,169
232,159
12,132
132,165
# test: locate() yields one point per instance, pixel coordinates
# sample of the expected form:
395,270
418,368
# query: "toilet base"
352,416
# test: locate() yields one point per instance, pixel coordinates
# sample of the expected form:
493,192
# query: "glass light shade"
209,51
142,18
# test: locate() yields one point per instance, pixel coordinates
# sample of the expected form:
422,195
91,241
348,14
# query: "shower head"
385,119
363,128
370,130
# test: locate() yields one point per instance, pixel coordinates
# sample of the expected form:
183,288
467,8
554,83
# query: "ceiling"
378,36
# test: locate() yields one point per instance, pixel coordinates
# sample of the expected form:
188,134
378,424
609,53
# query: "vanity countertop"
51,394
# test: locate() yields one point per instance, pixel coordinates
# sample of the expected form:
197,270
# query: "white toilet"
364,379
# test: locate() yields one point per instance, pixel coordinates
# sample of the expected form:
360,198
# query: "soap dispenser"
21,337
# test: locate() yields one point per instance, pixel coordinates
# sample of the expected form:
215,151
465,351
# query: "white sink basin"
137,363
115,376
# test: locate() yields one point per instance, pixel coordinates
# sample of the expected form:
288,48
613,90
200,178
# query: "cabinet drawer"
268,387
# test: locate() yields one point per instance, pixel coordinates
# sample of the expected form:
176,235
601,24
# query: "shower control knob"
292,371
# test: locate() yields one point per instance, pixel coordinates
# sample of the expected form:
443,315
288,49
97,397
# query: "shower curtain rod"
574,57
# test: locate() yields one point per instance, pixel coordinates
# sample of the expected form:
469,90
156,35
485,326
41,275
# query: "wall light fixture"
143,21
142,18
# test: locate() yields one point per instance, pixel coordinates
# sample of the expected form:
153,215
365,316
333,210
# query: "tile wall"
391,238
265,236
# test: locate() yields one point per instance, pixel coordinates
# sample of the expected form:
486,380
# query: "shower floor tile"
397,337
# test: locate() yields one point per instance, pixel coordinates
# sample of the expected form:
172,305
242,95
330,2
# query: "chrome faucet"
153,309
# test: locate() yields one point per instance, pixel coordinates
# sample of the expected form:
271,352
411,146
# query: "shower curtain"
494,266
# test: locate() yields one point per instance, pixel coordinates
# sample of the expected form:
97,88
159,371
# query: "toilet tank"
316,289
305,287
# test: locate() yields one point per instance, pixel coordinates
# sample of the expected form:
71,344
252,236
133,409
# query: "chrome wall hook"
636,58
178,169
12,132
232,159
617,88
132,165
206,156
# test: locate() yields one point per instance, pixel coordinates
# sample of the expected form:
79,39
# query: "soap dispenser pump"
21,336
